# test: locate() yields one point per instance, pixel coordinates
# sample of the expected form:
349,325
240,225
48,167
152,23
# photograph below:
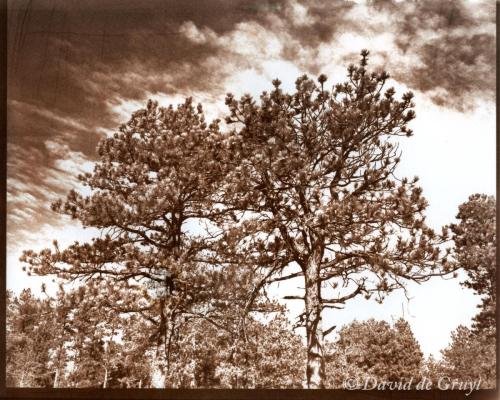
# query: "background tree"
30,336
10,336
471,356
374,349
270,356
61,309
432,369
133,368
94,348
475,250
313,180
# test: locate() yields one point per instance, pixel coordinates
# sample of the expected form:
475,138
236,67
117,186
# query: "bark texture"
315,372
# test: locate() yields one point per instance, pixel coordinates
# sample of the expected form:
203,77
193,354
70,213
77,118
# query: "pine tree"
304,180
475,251
471,353
313,181
153,178
374,350
471,357
29,341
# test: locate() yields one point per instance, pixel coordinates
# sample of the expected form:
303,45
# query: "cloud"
195,35
46,152
455,44
95,51
33,186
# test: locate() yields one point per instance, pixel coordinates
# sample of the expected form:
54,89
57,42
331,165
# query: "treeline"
69,341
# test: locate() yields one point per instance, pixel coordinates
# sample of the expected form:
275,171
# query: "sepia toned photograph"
276,194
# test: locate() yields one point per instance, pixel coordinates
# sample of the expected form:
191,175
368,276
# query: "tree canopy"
313,177
374,350
197,221
475,251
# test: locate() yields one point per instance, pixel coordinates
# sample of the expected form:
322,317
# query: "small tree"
92,345
471,357
374,350
313,180
433,370
30,338
272,356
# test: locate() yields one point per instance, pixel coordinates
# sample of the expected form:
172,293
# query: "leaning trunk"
315,372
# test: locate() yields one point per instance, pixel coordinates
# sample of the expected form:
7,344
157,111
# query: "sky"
76,71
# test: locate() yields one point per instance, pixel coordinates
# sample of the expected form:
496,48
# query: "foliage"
313,181
471,356
374,349
475,250
29,340
69,341
195,223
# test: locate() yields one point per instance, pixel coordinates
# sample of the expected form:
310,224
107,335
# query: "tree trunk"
105,383
158,376
315,372
21,381
159,364
56,379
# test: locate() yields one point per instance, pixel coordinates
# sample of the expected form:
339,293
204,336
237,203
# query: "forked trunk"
315,372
